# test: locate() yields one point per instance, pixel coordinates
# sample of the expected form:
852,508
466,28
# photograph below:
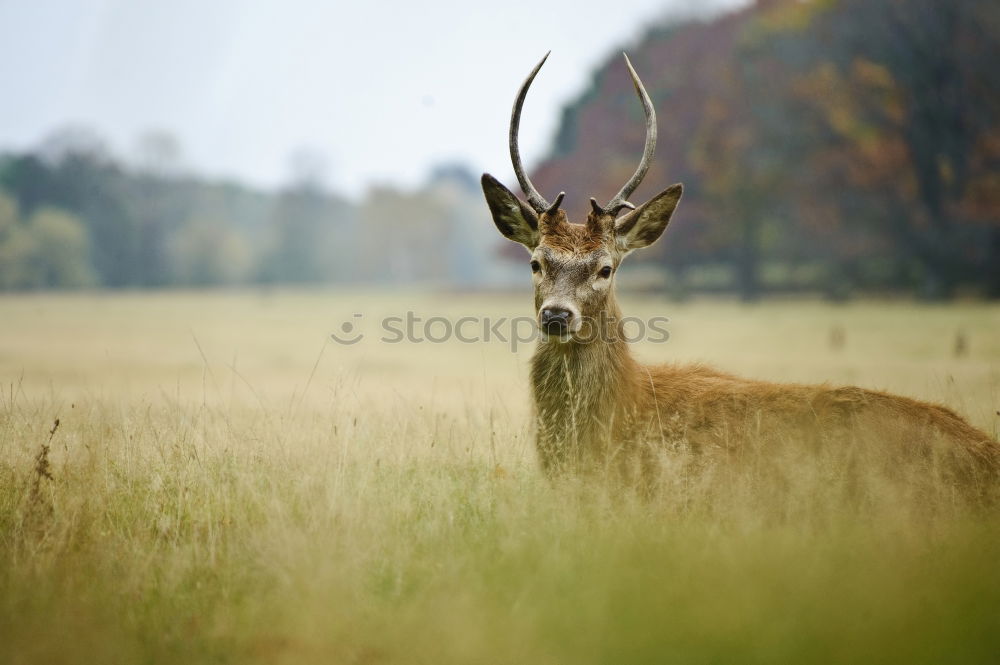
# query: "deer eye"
535,266
604,272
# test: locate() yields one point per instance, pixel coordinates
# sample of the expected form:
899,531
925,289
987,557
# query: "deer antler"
534,198
620,199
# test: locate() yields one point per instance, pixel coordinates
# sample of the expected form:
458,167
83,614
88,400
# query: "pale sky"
385,90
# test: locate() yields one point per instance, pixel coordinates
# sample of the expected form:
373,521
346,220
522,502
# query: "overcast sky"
384,90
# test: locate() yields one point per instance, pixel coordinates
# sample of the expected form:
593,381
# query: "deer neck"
580,391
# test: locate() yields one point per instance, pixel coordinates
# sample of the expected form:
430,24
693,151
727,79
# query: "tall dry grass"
225,486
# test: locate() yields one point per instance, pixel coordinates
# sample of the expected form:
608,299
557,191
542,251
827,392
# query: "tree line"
833,145
73,215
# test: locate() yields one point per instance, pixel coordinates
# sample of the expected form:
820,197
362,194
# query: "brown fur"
597,408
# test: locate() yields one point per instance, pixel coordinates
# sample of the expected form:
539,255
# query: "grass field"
226,484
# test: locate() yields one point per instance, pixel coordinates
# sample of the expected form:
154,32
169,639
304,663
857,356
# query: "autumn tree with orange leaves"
832,145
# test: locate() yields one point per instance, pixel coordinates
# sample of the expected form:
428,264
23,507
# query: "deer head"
574,265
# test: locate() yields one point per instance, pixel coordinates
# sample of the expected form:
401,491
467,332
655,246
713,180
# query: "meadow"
228,484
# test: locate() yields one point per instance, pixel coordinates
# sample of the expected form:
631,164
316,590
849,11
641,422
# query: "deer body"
597,408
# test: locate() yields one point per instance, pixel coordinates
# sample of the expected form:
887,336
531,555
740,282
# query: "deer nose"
555,320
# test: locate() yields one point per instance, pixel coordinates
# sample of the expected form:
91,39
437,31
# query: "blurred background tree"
830,145
310,230
49,249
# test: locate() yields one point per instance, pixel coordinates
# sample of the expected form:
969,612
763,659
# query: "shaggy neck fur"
578,391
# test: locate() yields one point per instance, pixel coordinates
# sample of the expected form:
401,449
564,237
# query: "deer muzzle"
556,320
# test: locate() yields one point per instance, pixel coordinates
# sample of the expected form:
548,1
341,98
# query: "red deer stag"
596,407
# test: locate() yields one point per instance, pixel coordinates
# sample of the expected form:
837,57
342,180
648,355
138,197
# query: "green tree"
48,250
206,252
62,257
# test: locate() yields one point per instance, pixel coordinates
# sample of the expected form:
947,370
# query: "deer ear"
644,225
513,217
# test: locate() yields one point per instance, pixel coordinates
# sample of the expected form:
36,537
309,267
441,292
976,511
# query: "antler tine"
534,198
620,199
555,204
